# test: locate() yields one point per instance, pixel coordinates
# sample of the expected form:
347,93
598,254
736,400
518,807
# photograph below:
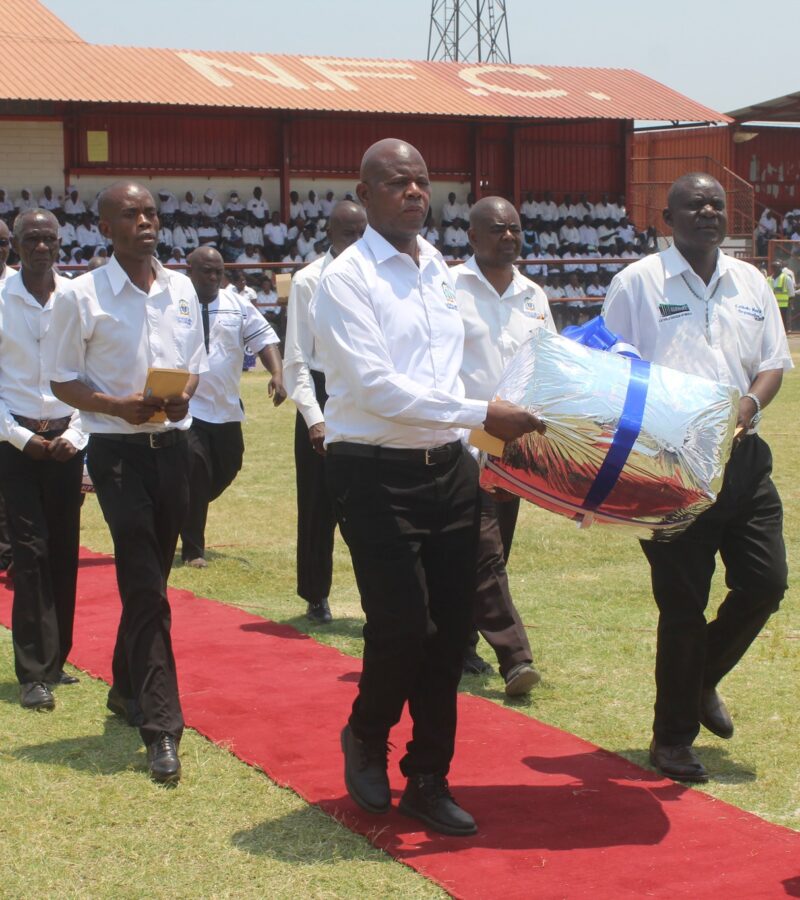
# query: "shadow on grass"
339,627
9,692
297,838
212,556
114,751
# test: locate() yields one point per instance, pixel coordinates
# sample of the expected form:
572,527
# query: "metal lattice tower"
469,31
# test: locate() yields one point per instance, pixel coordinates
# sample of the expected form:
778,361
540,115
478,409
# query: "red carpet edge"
558,817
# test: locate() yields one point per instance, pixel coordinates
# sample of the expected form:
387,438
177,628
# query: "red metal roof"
70,71
21,19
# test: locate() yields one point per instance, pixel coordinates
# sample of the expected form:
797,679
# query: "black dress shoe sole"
726,734
441,827
165,777
367,807
46,706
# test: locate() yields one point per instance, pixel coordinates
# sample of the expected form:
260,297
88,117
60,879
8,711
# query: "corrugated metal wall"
684,142
771,163
572,157
334,145
163,141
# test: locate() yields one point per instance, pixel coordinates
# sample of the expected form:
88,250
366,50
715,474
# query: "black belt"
42,426
155,440
431,457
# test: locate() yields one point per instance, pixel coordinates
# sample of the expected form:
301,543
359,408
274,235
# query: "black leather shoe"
714,714
64,678
521,679
476,665
678,762
365,772
162,758
319,612
124,707
36,695
428,798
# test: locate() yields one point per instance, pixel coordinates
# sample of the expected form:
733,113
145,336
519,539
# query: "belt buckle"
44,425
428,460
153,438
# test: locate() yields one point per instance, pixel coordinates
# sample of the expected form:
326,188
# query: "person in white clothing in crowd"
210,206
695,309
231,327
88,235
257,205
6,206
312,208
48,200
276,234
73,205
295,207
189,206
25,201
456,240
253,232
234,203
327,203
530,208
500,309
450,211
167,203
568,233
305,382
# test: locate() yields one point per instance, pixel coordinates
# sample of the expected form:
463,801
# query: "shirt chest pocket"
226,332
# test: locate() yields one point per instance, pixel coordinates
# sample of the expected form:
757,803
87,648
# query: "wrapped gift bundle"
627,443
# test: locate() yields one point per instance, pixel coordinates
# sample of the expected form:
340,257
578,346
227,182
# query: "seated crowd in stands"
556,238
774,226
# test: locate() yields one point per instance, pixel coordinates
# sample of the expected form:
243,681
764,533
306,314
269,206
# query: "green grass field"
81,819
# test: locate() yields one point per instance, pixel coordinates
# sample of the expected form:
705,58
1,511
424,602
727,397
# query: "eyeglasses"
4,242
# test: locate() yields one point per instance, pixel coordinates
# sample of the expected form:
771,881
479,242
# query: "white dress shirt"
391,342
267,302
168,205
212,208
191,208
258,207
451,211
296,211
51,204
495,327
24,378
327,206
569,234
74,207
67,234
185,237
235,325
455,237
529,209
253,234
727,331
107,333
312,209
7,272
88,236
548,211
300,355
276,234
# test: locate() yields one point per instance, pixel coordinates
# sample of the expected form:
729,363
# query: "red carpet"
559,818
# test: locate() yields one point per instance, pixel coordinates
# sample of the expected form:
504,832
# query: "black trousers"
144,495
215,458
316,520
412,531
5,538
496,617
43,511
745,526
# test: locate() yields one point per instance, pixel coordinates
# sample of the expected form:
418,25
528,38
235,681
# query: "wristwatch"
757,417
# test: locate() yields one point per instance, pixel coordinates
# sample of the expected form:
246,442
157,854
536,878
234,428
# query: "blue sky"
723,54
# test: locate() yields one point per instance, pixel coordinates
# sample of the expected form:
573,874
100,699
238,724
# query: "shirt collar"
518,283
675,263
382,250
118,277
16,286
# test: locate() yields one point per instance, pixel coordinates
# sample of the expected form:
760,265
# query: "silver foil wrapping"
675,466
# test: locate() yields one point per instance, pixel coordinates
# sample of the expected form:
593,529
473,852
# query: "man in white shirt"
295,207
386,321
184,234
73,205
276,234
88,236
266,302
607,234
257,205
602,210
312,209
41,468
625,230
327,203
306,241
500,309
189,207
207,232
450,211
108,328
456,241
568,233
234,203
305,381
25,201
588,233
231,326
250,255
529,211
548,211
48,200
694,309
253,233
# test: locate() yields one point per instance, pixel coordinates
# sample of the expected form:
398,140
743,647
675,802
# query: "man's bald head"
495,234
346,225
32,218
488,209
115,195
395,190
387,152
690,182
204,256
206,269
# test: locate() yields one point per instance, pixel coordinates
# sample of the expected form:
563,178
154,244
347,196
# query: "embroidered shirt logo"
750,312
671,310
529,308
449,296
184,312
